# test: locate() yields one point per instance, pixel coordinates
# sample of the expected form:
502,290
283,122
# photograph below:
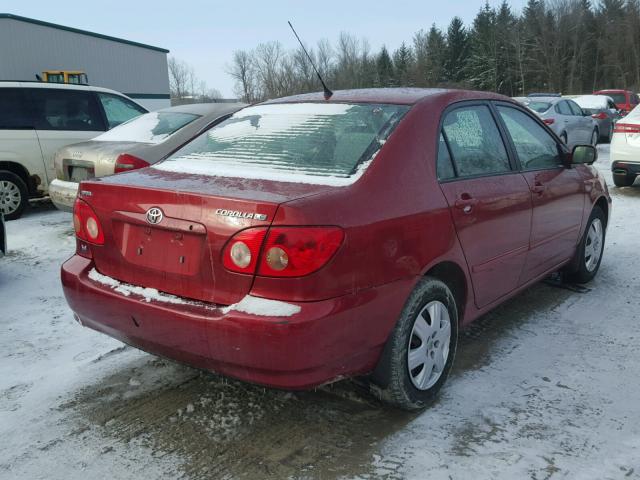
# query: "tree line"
563,46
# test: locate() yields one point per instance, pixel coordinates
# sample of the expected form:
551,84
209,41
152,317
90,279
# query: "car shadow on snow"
225,428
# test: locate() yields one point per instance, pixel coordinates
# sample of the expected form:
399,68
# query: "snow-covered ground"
546,386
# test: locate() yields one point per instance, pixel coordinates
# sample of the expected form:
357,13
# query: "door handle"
538,188
465,203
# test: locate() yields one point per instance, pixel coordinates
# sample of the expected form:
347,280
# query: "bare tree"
242,69
179,77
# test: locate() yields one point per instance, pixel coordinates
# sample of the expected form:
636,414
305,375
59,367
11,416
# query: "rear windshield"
539,107
152,127
297,142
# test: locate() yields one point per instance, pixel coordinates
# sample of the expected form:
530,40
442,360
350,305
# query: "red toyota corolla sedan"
304,240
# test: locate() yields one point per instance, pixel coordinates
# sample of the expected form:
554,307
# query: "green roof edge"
82,32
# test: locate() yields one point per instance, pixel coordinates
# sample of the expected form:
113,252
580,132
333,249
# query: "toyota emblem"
154,215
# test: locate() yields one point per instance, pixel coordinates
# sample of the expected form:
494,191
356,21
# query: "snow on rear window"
154,127
592,102
304,142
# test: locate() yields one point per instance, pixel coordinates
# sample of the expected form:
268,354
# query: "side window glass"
118,109
475,142
61,109
563,108
14,110
444,167
575,109
634,99
536,149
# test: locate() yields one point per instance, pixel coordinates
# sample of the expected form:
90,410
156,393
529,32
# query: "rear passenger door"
18,139
558,193
62,117
489,201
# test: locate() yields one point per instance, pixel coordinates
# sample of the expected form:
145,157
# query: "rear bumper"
63,194
621,167
323,342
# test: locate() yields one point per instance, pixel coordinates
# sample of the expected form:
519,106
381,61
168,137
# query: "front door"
489,202
557,193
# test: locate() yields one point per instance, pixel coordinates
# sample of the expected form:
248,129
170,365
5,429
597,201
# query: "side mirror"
584,155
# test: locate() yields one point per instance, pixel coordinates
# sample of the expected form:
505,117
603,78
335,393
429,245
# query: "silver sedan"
137,143
565,118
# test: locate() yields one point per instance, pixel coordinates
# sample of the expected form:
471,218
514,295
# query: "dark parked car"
302,240
603,110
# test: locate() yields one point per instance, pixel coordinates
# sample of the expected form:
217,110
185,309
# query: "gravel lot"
546,386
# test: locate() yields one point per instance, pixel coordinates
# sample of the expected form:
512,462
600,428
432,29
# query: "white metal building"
29,47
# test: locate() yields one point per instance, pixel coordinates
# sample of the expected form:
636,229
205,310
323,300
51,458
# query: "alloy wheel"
10,197
429,345
594,245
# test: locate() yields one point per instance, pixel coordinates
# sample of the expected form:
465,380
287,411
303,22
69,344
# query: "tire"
595,136
587,259
623,180
14,196
412,389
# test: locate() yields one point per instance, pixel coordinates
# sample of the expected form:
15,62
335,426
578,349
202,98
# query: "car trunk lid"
181,253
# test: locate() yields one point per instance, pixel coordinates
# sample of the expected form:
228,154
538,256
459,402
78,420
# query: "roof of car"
67,86
401,96
551,100
612,90
204,108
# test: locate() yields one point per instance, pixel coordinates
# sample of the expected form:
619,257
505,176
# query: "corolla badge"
237,214
154,215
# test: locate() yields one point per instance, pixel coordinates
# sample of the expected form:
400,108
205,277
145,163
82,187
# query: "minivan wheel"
14,196
419,353
563,137
595,136
588,256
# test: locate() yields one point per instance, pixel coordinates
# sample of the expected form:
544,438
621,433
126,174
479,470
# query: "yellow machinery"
65,76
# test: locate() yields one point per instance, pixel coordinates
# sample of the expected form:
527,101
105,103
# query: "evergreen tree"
457,52
436,47
384,68
403,65
482,67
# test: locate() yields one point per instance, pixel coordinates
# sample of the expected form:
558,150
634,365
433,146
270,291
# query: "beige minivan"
36,119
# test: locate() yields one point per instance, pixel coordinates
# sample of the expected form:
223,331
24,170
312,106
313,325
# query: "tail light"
285,252
126,162
86,223
242,252
549,121
599,116
626,128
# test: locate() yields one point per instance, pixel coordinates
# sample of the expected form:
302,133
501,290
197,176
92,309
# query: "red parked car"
624,99
304,240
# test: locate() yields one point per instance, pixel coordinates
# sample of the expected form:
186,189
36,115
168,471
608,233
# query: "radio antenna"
327,93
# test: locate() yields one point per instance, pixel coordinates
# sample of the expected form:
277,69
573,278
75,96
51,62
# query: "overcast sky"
205,34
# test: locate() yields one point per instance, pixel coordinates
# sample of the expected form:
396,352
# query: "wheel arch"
20,171
454,277
604,205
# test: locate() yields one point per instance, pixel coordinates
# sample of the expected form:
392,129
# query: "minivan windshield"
325,143
154,127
